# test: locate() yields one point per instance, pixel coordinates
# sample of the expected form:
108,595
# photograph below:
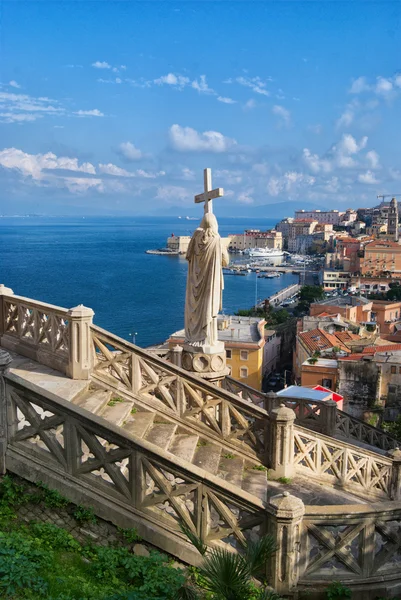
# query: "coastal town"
336,334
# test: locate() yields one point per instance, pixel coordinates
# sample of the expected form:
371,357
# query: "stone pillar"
285,526
80,342
5,360
208,362
281,442
176,355
395,489
328,417
4,291
271,401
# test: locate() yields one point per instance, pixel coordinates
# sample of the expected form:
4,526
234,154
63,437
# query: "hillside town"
340,336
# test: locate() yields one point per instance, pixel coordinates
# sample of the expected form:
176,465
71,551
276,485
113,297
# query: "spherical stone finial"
287,506
282,413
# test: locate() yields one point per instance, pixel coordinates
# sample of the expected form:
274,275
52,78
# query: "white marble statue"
206,256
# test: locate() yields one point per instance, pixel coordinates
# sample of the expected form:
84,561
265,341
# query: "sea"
101,262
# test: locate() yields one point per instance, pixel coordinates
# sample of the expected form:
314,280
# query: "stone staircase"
158,429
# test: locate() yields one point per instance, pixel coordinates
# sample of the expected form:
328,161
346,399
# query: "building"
352,308
348,218
244,341
314,342
254,238
321,371
332,279
284,227
392,227
387,315
321,216
316,393
272,348
298,228
381,257
178,243
370,285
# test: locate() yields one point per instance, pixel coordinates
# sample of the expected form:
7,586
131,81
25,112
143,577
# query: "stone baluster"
176,355
5,360
285,526
81,352
328,417
4,291
395,489
271,401
280,442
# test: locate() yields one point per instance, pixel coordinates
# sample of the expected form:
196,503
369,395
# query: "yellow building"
244,341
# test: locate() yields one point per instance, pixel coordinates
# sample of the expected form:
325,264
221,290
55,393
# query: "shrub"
130,535
84,515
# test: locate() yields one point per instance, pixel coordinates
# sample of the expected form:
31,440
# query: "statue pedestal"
209,362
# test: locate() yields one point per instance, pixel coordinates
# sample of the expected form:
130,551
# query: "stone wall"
358,382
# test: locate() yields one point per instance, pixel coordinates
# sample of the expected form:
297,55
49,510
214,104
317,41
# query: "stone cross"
208,193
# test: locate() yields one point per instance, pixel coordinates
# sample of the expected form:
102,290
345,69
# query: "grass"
284,480
134,410
201,443
115,400
259,468
229,455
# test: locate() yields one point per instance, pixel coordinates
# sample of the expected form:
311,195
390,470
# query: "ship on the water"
264,252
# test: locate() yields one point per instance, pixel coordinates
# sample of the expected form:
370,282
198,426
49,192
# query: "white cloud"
359,85
292,182
226,100
346,118
172,79
256,84
18,117
245,197
368,178
383,86
373,159
173,194
187,174
282,113
201,86
188,139
229,177
111,169
22,103
317,129
315,163
250,104
89,113
35,165
14,84
128,151
341,155
101,65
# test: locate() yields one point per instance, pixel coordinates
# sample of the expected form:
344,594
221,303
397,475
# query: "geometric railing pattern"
61,439
342,464
177,392
351,428
358,547
37,324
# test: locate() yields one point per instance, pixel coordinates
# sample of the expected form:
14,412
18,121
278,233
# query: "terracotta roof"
356,356
385,348
346,336
318,339
382,245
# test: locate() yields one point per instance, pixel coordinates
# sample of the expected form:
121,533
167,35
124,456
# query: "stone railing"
244,391
354,544
132,483
178,393
325,417
51,335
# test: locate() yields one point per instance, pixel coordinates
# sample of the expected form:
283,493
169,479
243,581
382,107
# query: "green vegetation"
115,400
130,535
259,468
309,294
84,515
393,427
284,480
337,591
272,317
39,561
228,455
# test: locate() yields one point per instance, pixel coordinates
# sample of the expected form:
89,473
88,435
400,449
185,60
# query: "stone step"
161,434
184,445
255,482
117,411
94,401
207,457
139,423
231,468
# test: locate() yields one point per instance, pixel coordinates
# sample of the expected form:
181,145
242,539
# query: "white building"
321,216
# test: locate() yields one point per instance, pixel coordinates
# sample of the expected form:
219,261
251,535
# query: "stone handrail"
344,465
51,335
184,396
127,480
355,543
324,417
246,392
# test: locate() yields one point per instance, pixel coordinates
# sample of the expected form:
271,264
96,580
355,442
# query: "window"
243,372
229,353
393,369
244,354
327,383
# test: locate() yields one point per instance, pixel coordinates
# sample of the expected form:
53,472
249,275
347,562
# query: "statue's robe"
206,257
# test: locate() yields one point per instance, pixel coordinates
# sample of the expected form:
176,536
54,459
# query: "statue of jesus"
206,256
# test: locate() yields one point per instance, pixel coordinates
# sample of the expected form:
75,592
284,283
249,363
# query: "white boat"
264,252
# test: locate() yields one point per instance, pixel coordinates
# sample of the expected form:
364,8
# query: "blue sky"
116,107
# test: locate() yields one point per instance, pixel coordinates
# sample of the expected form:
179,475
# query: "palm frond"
188,592
226,574
269,594
257,553
193,538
